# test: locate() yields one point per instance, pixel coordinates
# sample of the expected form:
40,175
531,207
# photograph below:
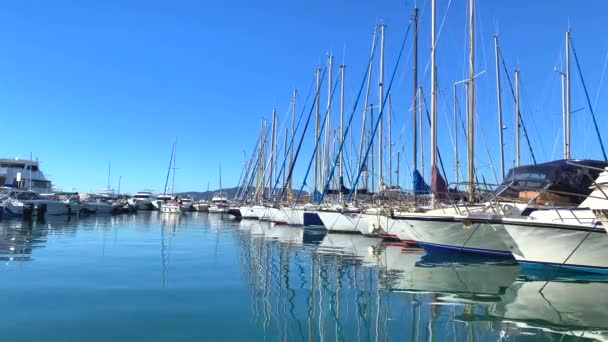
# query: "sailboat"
171,206
219,201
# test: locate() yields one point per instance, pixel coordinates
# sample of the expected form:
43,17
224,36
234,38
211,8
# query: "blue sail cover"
420,186
316,196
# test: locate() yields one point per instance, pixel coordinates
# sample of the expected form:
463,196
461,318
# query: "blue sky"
85,82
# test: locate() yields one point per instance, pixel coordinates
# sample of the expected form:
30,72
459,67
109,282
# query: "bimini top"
567,176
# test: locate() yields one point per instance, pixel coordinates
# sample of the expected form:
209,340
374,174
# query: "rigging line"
245,172
445,103
390,85
407,164
169,170
348,125
580,74
287,156
524,99
262,181
290,174
597,96
321,129
485,140
521,119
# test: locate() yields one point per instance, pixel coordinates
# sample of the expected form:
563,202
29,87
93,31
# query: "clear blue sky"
85,82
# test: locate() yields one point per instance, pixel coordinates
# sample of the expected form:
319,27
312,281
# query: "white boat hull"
293,217
343,222
277,216
559,245
170,209
450,233
247,212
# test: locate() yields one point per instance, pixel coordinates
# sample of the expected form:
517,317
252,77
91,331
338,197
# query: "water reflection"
355,288
289,283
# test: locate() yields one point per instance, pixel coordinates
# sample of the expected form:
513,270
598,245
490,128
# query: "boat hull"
567,246
436,233
277,216
343,222
311,219
293,217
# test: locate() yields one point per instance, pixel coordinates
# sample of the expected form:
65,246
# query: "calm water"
150,277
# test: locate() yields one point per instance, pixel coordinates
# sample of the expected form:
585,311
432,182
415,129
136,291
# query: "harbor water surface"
164,277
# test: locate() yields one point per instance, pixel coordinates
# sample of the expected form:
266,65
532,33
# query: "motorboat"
96,205
20,202
564,237
142,200
160,200
186,203
202,206
219,203
171,207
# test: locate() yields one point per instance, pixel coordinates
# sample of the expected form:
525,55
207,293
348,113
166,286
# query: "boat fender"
467,223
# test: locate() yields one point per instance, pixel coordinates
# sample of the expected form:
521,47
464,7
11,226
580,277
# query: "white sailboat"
171,206
219,201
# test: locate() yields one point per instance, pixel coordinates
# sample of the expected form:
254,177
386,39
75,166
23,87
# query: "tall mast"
415,88
499,103
284,157
330,62
29,187
317,127
568,100
565,137
471,152
517,124
397,168
341,157
109,169
372,140
173,178
220,178
293,119
380,108
433,89
273,151
456,159
421,123
390,142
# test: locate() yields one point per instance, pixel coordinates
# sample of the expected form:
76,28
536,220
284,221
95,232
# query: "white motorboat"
201,206
172,207
186,203
142,200
158,201
19,202
219,203
564,237
96,205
